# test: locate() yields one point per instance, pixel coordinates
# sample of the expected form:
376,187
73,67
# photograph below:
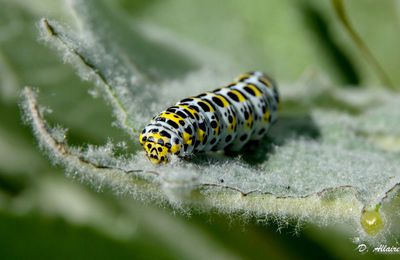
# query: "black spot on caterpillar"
226,118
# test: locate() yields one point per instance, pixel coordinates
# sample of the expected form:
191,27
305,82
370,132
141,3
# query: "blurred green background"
45,215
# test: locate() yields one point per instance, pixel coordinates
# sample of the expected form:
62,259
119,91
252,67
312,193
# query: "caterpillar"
223,119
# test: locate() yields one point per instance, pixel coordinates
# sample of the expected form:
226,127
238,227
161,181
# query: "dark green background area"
36,236
284,37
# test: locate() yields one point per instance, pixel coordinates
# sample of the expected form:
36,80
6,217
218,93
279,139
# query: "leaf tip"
48,28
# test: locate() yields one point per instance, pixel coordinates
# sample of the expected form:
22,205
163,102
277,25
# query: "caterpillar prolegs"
223,119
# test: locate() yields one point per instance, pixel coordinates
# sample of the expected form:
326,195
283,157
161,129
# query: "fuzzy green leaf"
326,161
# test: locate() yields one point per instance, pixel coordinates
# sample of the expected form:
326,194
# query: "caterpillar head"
158,144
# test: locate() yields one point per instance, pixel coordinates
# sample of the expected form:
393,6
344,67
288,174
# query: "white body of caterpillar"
223,119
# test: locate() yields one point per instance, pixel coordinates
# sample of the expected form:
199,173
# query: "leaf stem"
340,11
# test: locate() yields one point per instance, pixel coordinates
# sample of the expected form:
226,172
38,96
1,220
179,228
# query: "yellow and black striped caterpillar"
224,119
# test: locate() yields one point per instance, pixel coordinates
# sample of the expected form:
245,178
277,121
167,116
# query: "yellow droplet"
371,221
